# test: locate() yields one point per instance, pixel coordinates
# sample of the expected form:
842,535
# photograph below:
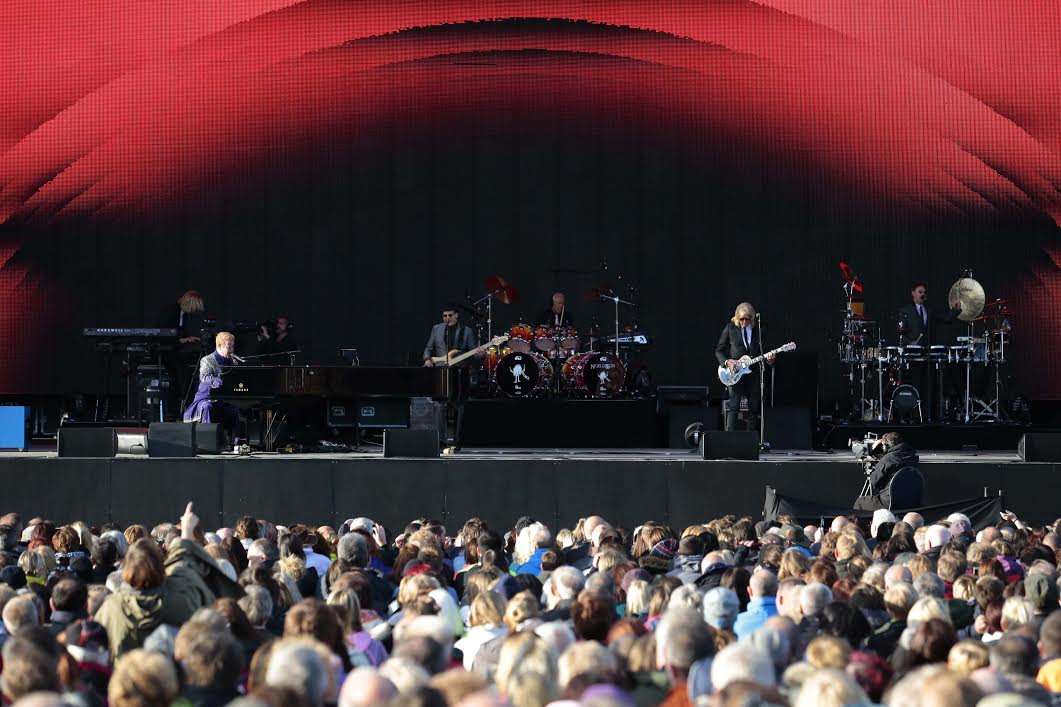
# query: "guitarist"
448,338
739,338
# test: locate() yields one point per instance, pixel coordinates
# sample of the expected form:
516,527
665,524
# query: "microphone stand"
763,445
615,298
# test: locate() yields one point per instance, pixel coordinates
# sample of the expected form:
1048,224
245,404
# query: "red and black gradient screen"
911,138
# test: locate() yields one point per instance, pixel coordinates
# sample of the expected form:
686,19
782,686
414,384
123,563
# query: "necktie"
748,338
921,312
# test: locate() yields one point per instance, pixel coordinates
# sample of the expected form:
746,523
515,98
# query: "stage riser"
394,491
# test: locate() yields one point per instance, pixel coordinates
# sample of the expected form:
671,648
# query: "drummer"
556,315
919,322
918,328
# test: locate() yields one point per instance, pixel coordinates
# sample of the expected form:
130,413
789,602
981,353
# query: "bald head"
988,535
788,599
364,687
762,584
838,524
915,520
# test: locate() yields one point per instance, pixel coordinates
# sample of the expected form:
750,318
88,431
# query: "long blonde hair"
190,302
743,308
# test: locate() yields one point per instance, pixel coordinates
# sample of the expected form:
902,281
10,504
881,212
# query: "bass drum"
598,375
523,374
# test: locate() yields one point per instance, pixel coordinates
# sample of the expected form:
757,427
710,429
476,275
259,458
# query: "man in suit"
918,326
740,338
918,321
450,335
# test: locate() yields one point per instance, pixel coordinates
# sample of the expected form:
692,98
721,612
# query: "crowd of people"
900,611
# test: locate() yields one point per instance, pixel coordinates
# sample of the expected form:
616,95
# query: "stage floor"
558,454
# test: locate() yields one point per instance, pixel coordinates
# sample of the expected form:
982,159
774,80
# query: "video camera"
867,450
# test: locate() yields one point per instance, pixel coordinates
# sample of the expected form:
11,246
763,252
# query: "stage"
557,486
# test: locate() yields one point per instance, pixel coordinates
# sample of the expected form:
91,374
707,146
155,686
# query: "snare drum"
523,374
543,339
520,337
568,338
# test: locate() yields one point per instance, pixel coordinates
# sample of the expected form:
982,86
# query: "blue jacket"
759,610
533,565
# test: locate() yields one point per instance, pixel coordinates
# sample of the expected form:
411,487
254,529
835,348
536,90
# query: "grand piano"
246,386
289,388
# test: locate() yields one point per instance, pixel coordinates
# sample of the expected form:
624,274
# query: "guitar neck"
467,354
757,359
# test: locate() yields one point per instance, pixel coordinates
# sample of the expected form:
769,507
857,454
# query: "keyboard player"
203,409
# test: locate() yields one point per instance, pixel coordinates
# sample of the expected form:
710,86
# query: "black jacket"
548,318
915,330
731,344
899,456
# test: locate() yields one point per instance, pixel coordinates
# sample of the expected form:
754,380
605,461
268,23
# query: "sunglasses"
744,319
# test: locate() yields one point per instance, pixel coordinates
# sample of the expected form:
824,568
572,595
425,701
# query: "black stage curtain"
982,511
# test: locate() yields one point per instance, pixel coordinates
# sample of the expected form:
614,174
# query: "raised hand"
189,522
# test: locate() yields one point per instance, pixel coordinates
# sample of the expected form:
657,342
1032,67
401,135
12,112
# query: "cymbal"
967,294
503,292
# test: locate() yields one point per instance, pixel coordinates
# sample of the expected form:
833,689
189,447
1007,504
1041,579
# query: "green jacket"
193,580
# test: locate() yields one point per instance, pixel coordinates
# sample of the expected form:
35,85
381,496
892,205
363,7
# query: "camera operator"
895,454
276,342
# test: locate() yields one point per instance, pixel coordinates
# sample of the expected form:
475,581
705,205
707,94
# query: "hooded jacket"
193,580
687,569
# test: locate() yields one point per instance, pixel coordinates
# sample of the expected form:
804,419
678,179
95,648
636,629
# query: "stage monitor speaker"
1040,447
96,442
382,413
410,443
729,445
171,439
209,438
789,427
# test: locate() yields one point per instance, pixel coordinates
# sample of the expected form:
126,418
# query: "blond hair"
521,653
828,652
142,678
190,302
966,656
488,609
224,336
743,308
414,587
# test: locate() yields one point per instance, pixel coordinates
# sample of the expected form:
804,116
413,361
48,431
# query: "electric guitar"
745,363
453,358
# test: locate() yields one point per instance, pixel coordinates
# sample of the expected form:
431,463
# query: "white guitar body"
745,363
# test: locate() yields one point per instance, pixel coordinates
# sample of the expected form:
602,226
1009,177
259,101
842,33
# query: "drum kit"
542,361
895,397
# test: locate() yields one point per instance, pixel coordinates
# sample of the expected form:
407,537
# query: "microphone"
237,358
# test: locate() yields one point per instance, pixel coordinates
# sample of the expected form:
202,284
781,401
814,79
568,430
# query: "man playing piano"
449,336
202,408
